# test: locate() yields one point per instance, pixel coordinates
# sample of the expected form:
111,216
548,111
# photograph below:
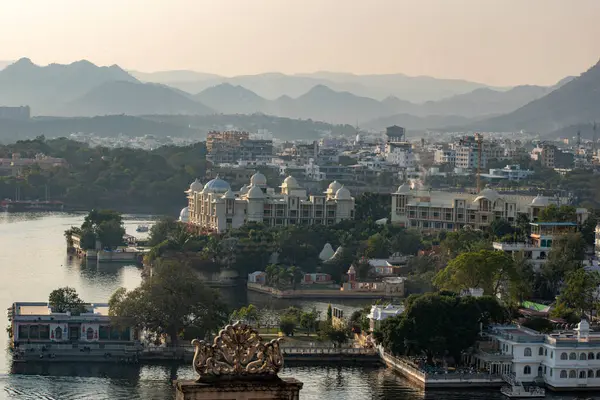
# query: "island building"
15,165
215,207
380,313
440,210
35,324
563,360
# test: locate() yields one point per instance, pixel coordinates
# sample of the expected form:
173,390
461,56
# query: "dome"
343,194
290,183
404,188
583,326
255,193
540,201
258,179
334,186
244,189
228,195
196,186
487,194
216,185
326,253
184,215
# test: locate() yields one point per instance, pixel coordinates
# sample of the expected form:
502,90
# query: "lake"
33,262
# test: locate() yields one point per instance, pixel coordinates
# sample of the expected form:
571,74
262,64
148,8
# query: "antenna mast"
479,140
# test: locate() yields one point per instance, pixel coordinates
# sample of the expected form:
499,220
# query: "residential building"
397,150
597,241
15,164
564,360
230,147
34,323
395,134
259,277
215,207
542,235
445,156
545,154
509,172
467,154
437,210
316,278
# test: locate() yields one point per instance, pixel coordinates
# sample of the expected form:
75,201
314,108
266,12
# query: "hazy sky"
501,42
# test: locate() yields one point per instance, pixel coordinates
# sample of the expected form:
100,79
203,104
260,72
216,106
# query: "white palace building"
563,360
215,207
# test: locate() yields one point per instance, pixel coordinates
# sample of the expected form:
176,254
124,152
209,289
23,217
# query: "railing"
328,350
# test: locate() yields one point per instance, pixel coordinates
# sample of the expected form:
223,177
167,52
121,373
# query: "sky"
498,42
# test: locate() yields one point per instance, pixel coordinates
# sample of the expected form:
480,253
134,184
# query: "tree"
161,231
580,292
66,299
329,315
308,320
110,233
485,269
378,246
248,314
541,325
553,213
287,325
168,302
588,229
500,228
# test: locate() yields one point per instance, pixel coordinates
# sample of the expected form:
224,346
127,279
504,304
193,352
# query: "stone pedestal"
274,389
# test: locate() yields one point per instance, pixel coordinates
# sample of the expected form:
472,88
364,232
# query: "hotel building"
216,207
437,210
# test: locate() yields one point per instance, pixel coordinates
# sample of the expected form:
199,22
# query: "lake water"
33,262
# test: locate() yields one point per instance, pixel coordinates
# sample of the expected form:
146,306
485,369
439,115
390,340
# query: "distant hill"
325,104
107,126
273,85
46,88
132,98
230,99
413,122
575,102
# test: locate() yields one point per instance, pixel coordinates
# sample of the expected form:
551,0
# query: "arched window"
546,352
58,333
527,352
563,356
597,356
90,334
598,373
563,374
572,356
581,374
551,354
572,374
541,351
582,356
590,356
527,370
590,373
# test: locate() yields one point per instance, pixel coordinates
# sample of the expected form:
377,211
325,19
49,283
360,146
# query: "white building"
400,154
510,172
563,360
216,207
445,156
381,313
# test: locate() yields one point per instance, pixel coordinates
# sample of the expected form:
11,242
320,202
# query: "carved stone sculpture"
238,352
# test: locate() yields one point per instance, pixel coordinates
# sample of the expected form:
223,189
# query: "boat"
142,228
515,389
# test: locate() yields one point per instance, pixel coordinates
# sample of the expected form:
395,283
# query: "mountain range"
273,85
84,89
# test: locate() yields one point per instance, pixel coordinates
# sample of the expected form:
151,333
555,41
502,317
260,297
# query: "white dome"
404,188
216,185
196,186
488,194
228,195
290,182
540,201
184,215
255,193
258,179
244,189
343,194
326,253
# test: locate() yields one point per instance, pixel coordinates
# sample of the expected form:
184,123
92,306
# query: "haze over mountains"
84,89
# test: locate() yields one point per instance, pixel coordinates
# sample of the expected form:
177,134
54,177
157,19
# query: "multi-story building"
563,360
509,172
397,150
545,154
436,210
231,147
18,113
445,156
215,207
467,154
15,164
